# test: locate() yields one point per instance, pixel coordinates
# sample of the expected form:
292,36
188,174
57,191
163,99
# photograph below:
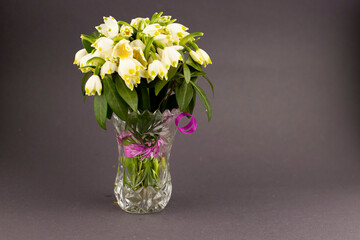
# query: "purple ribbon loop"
190,127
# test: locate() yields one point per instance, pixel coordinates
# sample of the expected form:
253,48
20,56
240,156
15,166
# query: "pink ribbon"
146,150
190,127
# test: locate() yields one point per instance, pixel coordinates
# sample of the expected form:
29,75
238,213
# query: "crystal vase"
143,181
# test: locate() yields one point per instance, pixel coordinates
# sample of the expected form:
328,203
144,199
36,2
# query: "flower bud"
93,85
196,57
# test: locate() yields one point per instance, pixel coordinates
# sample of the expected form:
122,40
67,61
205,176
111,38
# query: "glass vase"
143,181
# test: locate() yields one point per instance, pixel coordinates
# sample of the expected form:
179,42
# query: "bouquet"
143,74
142,66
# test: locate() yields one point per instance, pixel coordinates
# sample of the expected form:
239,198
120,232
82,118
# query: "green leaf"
184,94
87,40
140,26
117,104
172,71
144,97
204,99
97,70
83,82
187,73
147,47
95,34
211,85
100,110
154,17
95,61
189,37
197,74
130,97
87,45
171,103
193,64
192,103
160,84
109,112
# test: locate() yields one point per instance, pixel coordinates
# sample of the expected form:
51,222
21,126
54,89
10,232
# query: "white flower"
196,57
138,54
129,70
164,19
137,43
135,22
83,63
79,55
84,60
103,44
129,67
107,55
144,73
110,28
93,85
157,68
177,31
122,49
107,68
204,56
152,29
126,31
167,40
170,56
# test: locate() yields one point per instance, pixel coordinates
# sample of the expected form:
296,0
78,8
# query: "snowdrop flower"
122,49
177,31
196,57
137,43
167,40
93,85
204,57
170,56
83,63
157,68
107,55
135,22
107,68
138,54
84,60
128,68
79,55
110,28
152,29
126,31
104,47
85,66
164,19
103,44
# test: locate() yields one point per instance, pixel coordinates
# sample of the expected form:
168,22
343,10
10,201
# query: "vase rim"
167,113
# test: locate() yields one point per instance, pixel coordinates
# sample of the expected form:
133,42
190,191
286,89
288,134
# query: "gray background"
279,160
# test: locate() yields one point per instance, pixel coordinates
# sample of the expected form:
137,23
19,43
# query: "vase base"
144,199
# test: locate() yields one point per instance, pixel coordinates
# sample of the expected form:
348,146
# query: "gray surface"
280,160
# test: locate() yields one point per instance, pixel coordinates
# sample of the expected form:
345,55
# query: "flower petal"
107,68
